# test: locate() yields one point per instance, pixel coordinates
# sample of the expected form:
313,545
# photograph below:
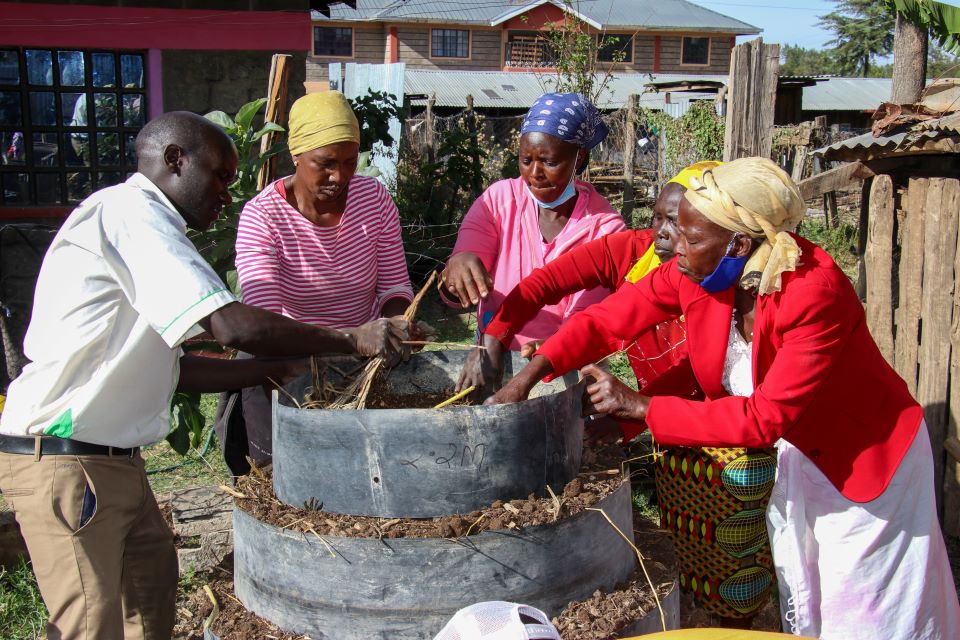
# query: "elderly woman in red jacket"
779,344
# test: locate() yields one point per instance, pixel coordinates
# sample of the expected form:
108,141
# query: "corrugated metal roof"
875,145
907,138
638,14
519,90
947,123
847,94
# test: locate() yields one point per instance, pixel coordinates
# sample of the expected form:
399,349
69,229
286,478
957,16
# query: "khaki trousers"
102,553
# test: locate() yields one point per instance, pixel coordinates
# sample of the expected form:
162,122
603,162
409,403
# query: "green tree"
863,30
941,64
800,61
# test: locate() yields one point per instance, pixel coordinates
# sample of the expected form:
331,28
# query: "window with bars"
333,42
450,43
68,122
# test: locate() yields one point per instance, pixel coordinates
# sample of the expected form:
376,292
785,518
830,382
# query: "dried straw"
354,396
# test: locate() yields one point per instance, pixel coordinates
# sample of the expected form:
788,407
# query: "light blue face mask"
568,193
727,272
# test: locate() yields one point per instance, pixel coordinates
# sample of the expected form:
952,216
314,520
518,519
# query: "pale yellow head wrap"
693,171
755,197
319,119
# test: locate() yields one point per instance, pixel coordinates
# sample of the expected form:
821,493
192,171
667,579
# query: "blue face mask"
568,193
727,272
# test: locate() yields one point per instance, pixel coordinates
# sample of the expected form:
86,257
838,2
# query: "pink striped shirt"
338,276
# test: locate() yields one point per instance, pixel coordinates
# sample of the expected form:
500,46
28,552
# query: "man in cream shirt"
120,289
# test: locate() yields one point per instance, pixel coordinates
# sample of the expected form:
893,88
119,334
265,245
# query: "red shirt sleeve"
603,262
587,336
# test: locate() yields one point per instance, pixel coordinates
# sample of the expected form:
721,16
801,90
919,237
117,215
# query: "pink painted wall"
67,25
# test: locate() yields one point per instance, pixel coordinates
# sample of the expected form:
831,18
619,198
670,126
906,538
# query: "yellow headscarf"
693,171
649,261
319,119
755,197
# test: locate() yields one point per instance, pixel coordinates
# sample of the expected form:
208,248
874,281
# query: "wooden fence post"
429,124
276,112
477,186
752,97
911,284
940,250
830,209
629,150
879,259
951,475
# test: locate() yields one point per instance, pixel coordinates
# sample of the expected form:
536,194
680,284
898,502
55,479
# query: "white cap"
498,621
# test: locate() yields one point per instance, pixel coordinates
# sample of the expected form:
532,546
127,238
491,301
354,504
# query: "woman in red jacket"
779,344
658,357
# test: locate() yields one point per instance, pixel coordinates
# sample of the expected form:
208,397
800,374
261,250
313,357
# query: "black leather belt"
53,446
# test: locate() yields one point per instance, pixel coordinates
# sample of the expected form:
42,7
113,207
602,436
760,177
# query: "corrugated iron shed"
518,90
847,94
663,15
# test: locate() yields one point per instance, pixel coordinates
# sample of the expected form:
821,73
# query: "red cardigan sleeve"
603,262
815,330
622,316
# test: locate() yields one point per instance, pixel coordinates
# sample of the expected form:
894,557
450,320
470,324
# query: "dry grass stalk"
233,492
355,395
653,589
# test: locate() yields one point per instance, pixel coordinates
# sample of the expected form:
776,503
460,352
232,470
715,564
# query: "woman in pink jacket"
520,224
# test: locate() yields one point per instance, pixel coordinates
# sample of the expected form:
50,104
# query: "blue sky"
782,21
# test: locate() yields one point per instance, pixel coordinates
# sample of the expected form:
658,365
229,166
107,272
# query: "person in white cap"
499,620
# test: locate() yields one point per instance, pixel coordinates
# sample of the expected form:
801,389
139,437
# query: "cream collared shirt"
120,289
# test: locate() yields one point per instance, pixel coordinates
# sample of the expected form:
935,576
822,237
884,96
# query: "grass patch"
840,241
619,366
169,471
644,500
452,325
22,614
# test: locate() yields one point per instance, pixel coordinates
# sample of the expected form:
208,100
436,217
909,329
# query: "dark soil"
383,399
611,614
600,477
233,622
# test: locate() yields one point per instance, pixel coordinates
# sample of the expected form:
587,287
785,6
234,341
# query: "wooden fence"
911,262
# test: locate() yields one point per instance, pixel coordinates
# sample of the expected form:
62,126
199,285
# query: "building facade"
651,36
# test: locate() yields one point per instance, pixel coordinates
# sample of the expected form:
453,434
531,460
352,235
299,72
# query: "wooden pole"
940,250
951,474
879,259
276,112
911,284
428,123
477,185
752,98
830,209
629,150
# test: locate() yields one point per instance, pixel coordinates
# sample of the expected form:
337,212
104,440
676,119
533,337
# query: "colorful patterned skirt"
714,502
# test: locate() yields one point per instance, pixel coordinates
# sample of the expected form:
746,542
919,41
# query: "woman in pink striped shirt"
322,246
520,224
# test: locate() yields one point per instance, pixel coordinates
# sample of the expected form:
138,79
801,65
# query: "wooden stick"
460,395
455,345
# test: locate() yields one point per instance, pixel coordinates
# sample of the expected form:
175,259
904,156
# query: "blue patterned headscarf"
568,116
